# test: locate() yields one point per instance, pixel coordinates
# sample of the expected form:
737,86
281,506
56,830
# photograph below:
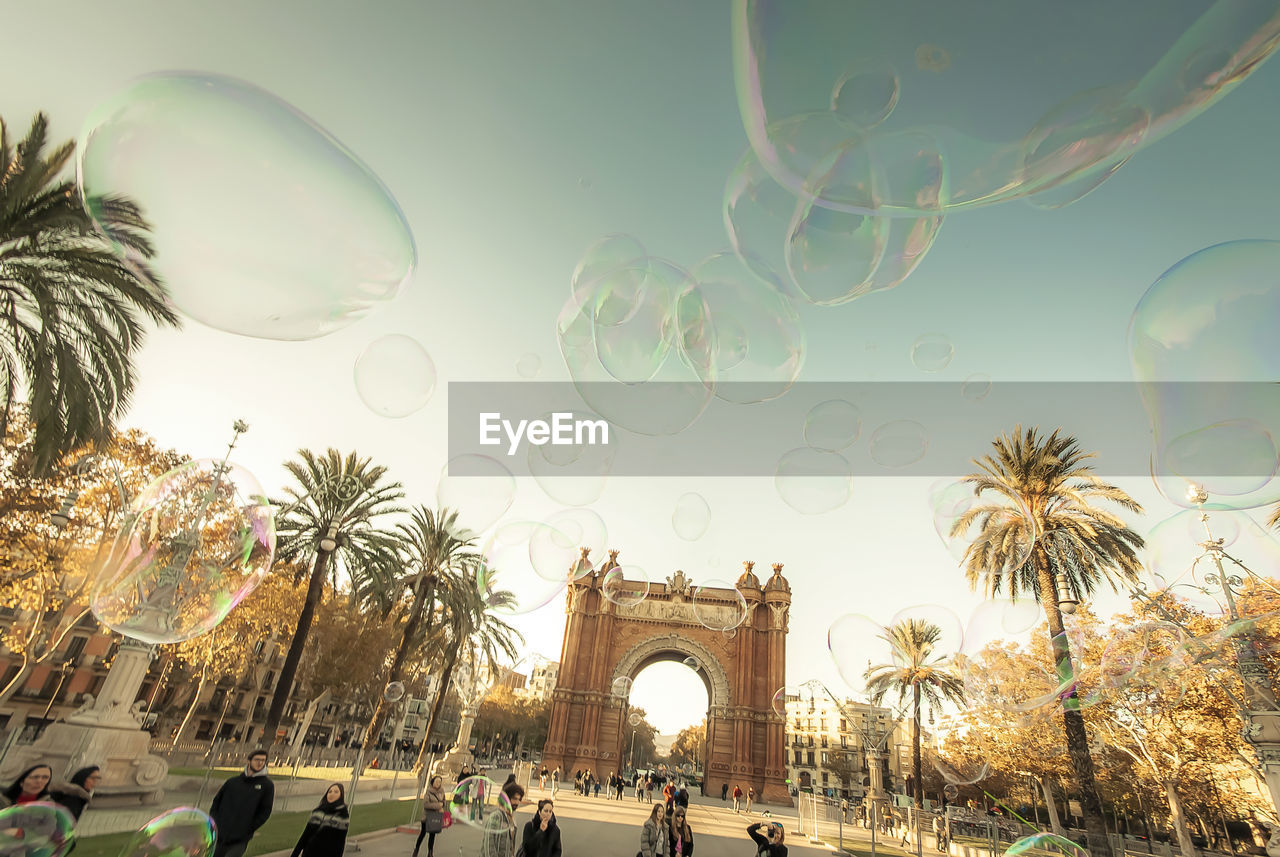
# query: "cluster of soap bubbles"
649,344
1205,360
37,830
264,225
194,543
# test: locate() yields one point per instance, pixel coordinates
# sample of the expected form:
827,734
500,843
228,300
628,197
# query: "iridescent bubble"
395,376
635,719
621,687
813,482
1042,843
983,528
949,630
181,832
1180,555
41,829
264,224
607,255
394,692
477,801
855,642
555,547
1206,358
995,621
951,791
508,567
757,214
194,543
782,696
625,586
832,425
962,772
866,95
747,325
574,474
899,443
976,387
477,487
691,517
528,366
1006,134
932,352
718,605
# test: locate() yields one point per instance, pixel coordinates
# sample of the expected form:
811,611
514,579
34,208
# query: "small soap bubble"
621,686
932,352
691,517
951,791
528,366
635,719
832,425
395,376
976,387
718,605
899,443
41,829
477,801
1045,843
481,489
813,482
394,692
625,586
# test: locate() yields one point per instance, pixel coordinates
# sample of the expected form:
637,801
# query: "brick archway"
604,642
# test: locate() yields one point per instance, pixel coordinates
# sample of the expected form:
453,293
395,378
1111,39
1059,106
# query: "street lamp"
329,543
64,670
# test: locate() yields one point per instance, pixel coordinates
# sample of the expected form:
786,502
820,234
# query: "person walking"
682,797
242,805
768,843
542,779
737,797
76,794
30,786
498,834
680,835
326,832
555,782
622,784
432,815
653,836
639,788
541,833
724,792
751,797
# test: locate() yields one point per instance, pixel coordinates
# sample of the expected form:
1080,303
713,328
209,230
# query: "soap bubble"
194,543
899,443
1050,116
529,365
855,643
1205,358
181,832
394,692
950,631
507,566
999,527
395,376
477,801
625,586
1040,843
976,387
950,791
813,482
994,621
555,547
635,719
782,696
607,255
866,95
264,224
691,517
962,773
719,606
477,487
1180,563
932,352
832,425
621,686
41,829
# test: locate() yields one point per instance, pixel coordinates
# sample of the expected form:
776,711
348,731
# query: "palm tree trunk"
402,654
284,685
917,781
436,708
1072,719
1055,821
1179,819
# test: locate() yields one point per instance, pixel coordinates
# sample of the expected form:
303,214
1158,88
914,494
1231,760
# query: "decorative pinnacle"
583,552
749,564
613,554
777,568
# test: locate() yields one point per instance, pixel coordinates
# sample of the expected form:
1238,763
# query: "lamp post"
64,671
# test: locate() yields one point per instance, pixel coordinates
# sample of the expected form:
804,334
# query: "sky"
514,135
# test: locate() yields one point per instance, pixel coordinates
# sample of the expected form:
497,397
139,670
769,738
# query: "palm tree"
1274,520
1077,545
332,522
918,669
435,545
71,309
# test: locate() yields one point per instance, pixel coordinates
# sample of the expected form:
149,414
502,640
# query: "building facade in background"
542,680
827,742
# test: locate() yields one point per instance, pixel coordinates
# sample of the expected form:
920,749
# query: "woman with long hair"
680,835
541,833
30,786
653,836
432,815
768,844
76,794
326,832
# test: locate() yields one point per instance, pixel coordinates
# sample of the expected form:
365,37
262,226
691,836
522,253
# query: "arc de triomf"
604,642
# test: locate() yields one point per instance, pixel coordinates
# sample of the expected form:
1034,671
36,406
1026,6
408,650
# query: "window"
844,742
824,740
810,755
844,725
798,761
75,647
824,778
826,759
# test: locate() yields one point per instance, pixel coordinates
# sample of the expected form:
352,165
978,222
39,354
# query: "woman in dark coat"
770,843
326,832
680,834
75,795
541,833
30,786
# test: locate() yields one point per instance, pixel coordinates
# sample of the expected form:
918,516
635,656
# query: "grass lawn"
280,833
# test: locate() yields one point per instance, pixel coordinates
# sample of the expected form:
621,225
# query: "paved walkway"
596,827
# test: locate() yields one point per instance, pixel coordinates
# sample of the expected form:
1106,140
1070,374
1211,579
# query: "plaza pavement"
596,827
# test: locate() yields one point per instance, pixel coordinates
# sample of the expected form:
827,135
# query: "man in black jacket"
242,805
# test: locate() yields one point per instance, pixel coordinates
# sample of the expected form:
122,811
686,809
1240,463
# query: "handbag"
434,820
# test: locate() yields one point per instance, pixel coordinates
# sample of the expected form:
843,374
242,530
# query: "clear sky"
515,134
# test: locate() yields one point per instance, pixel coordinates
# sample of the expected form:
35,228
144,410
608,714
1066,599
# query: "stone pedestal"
106,732
451,762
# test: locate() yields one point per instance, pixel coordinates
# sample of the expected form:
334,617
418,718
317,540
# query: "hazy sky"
514,135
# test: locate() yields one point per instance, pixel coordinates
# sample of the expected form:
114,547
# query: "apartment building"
826,745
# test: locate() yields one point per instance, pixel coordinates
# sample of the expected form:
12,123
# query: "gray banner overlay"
928,429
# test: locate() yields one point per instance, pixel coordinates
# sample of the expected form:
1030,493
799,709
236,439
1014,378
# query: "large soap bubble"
995,529
193,545
1206,358
264,224
1183,552
477,802
478,487
36,830
718,605
181,832
395,376
508,567
1009,112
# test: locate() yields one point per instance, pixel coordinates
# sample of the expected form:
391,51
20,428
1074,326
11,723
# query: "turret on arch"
742,669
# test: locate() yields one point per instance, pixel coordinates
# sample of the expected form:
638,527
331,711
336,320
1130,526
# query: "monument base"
131,775
451,762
